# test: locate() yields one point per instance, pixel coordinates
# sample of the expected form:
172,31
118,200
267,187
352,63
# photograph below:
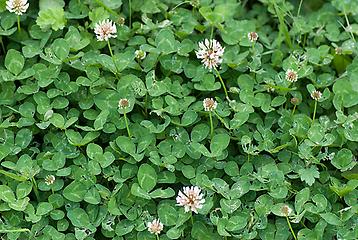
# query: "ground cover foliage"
275,159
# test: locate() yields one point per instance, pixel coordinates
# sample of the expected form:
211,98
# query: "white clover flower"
209,104
316,95
123,103
270,89
252,36
105,30
140,54
286,210
191,199
155,226
211,52
291,75
17,6
50,179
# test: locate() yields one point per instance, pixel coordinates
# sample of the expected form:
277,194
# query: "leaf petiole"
222,82
127,125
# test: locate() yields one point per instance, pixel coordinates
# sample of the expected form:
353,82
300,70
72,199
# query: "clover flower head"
195,3
50,179
316,95
338,50
140,54
123,103
295,101
291,75
191,199
270,89
17,6
328,156
252,36
209,104
105,30
121,21
286,210
155,226
210,52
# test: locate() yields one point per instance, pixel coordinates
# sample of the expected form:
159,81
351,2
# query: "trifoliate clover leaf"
309,174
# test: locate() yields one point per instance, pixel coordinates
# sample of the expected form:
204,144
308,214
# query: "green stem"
293,110
110,49
221,120
303,223
178,124
130,13
192,219
157,236
14,230
314,111
2,45
222,83
146,105
212,32
13,176
299,8
304,40
12,109
211,124
289,225
244,4
126,121
18,23
349,26
34,185
268,52
283,30
111,52
278,148
284,89
179,4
